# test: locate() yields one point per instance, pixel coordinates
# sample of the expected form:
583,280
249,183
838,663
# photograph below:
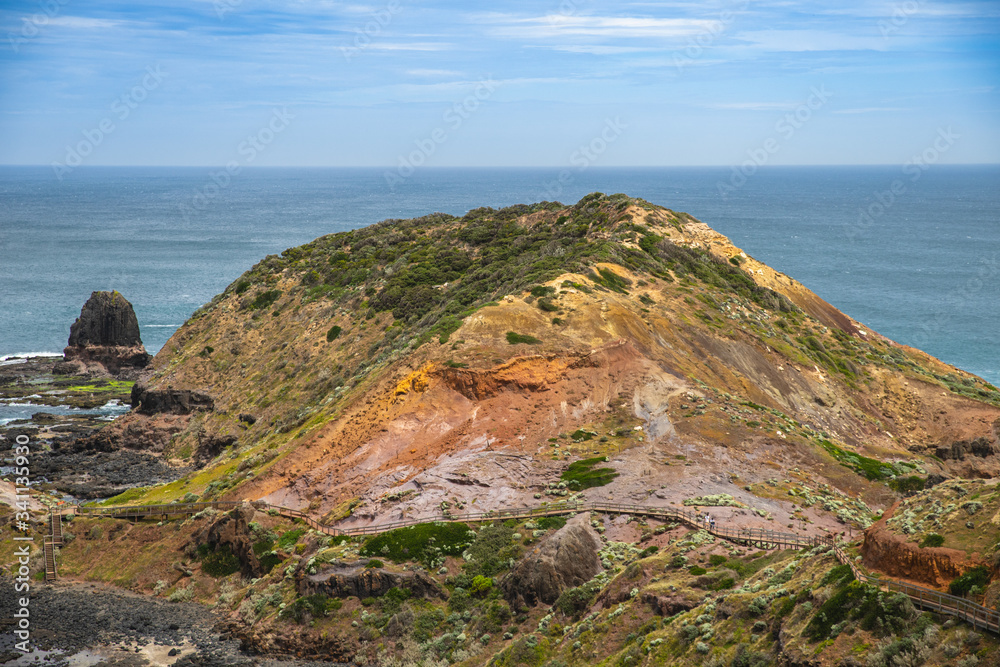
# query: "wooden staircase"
49,553
55,528
49,543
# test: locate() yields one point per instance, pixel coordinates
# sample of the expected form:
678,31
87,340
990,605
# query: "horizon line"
439,167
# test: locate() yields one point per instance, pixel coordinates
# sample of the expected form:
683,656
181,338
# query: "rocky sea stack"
105,338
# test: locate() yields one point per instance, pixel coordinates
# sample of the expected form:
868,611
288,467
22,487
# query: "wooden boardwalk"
924,598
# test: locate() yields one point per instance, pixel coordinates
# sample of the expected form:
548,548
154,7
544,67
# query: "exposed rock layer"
895,556
567,559
368,582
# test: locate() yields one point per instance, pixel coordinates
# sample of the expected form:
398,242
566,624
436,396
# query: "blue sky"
542,83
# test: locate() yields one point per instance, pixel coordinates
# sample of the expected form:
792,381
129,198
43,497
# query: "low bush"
907,485
977,577
218,562
582,474
422,543
932,540
551,522
516,338
875,611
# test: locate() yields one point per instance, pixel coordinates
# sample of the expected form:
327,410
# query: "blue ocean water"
913,255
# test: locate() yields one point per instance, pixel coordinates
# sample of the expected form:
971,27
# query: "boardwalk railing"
924,598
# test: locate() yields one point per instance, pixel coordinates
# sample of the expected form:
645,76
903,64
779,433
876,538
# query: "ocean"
912,254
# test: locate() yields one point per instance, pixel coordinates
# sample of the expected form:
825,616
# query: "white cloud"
82,22
559,25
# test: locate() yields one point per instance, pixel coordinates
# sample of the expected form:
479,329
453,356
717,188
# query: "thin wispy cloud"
871,110
694,81
560,25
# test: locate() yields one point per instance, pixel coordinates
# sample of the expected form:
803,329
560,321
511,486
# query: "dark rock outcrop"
958,451
106,319
565,560
342,580
232,529
107,335
169,401
668,605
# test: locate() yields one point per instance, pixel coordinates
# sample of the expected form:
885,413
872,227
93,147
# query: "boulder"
343,579
169,400
105,336
567,559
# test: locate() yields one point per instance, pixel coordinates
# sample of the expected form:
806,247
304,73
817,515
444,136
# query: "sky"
509,83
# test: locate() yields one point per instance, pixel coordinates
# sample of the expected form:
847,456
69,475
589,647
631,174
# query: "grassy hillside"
346,367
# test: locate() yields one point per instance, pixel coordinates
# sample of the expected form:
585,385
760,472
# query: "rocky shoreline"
89,624
66,459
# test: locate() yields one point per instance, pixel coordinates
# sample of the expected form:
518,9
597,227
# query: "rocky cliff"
105,337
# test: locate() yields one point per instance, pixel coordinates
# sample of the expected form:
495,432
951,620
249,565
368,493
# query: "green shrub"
839,574
264,300
289,538
332,333
574,601
871,468
551,522
375,562
218,562
422,543
268,561
542,290
583,475
932,540
492,551
516,338
313,605
723,584
715,560
874,611
978,577
481,586
547,305
697,571
907,485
